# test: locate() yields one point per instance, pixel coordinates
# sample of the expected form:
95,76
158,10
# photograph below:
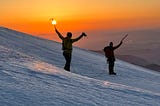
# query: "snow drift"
31,74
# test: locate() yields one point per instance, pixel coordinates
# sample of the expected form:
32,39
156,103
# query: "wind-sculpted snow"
31,74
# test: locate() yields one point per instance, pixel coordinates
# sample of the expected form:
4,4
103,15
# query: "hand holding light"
53,21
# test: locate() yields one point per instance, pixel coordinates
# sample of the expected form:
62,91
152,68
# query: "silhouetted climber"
67,46
109,53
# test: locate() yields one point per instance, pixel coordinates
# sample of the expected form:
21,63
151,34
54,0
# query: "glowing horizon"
33,16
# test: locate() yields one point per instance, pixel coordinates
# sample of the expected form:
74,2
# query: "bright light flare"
54,22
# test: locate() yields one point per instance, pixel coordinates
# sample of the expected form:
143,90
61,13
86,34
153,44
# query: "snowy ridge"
29,77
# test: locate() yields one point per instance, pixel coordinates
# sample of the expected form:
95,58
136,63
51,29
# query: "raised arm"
59,34
115,47
78,38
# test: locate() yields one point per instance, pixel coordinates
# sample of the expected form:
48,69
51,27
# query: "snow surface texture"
31,74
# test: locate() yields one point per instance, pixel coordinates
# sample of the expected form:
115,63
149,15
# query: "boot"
112,73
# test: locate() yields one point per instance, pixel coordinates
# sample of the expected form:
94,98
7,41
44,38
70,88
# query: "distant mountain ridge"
135,60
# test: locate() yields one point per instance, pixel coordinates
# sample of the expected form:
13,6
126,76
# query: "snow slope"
31,74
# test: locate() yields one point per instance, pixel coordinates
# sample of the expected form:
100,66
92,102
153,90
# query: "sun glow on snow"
106,83
44,67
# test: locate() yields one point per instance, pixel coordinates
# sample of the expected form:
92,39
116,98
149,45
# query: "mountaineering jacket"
109,52
67,42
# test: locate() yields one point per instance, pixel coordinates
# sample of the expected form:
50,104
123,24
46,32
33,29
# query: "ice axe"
124,37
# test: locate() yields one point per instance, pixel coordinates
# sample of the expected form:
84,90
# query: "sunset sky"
32,16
